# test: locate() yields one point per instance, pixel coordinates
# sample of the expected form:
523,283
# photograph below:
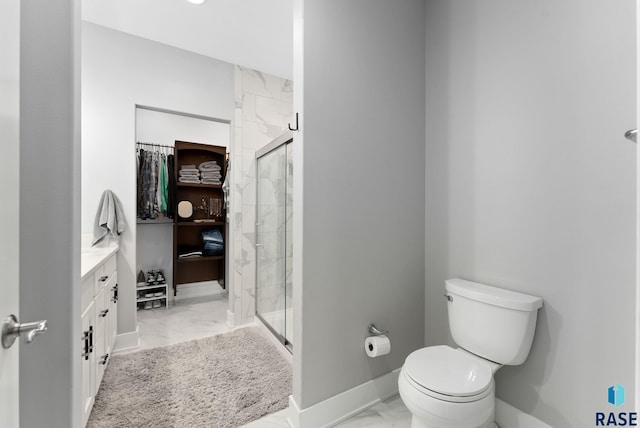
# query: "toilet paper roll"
375,346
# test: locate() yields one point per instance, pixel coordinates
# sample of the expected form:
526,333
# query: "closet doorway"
156,131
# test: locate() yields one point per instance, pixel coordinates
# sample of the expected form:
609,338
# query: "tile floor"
390,413
183,321
206,316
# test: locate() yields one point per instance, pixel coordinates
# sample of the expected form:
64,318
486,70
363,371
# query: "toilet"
445,387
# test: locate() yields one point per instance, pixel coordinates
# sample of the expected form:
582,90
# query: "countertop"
92,257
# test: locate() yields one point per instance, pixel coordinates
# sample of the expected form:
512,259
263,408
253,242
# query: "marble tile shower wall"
263,108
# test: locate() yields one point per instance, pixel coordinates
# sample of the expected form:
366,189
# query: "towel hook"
296,128
631,135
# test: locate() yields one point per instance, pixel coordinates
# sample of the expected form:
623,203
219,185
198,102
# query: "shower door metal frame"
282,140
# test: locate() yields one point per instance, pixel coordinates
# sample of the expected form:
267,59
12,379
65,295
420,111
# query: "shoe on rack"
141,280
156,304
148,305
151,277
160,277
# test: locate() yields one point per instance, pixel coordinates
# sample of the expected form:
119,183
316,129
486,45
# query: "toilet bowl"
445,387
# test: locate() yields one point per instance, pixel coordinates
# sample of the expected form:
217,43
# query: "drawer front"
110,266
100,279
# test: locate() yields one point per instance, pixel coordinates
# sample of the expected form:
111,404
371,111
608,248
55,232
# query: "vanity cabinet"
99,315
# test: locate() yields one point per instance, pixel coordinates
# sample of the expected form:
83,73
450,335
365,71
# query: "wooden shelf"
206,186
201,259
169,221
201,223
189,233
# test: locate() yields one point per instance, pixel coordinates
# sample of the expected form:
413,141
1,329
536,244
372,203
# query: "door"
39,219
9,135
273,239
270,238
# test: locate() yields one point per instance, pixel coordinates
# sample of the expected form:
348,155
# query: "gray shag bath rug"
222,381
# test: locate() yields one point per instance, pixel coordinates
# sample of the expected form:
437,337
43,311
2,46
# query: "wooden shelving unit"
187,232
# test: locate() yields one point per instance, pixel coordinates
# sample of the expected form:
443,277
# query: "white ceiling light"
196,1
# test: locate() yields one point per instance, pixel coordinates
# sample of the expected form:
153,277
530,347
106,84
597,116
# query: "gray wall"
531,185
362,170
50,212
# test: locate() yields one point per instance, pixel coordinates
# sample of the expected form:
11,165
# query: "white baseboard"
508,416
127,341
340,407
231,319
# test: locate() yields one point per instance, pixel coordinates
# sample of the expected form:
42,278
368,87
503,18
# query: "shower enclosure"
274,245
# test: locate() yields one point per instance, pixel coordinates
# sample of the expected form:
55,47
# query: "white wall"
531,186
359,169
118,72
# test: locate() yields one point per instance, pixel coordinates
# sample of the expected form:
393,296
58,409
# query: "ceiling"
253,33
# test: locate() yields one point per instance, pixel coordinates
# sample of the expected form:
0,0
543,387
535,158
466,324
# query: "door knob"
11,329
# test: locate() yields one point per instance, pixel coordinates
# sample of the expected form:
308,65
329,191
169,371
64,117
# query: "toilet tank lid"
493,295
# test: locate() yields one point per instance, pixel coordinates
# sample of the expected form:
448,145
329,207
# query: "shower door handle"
257,229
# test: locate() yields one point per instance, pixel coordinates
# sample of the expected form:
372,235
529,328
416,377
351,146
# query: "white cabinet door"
113,313
101,335
88,361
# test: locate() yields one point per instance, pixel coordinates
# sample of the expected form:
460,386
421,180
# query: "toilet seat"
448,374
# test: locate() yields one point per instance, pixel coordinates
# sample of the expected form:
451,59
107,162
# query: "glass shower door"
272,299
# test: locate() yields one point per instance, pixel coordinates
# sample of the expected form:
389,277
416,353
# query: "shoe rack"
154,292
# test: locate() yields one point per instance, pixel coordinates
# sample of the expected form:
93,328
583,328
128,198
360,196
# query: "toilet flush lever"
448,297
11,329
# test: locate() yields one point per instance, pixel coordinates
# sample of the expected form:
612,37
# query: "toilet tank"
492,322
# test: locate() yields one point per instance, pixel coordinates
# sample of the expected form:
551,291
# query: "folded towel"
189,171
211,175
208,165
188,174
189,180
109,217
187,167
210,181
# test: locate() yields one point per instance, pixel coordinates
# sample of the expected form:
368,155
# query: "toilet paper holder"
376,331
